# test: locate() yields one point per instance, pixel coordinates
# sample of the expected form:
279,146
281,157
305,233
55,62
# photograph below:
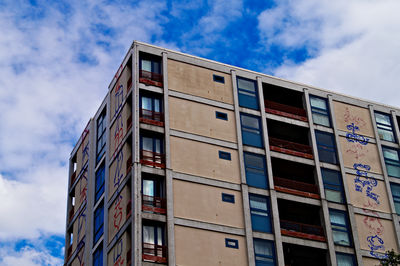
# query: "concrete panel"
80,258
376,235
204,203
356,153
347,114
82,155
200,119
117,213
119,129
207,248
370,262
79,229
119,92
368,193
199,81
201,159
118,254
81,190
118,169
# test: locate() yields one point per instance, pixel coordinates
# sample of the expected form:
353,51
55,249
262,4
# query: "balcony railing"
129,257
128,165
73,177
151,78
154,204
152,158
71,214
291,148
69,252
154,253
151,117
313,232
129,209
296,187
129,122
129,84
285,110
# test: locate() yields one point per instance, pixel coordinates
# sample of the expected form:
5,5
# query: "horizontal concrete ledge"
150,88
373,213
154,217
152,128
200,100
299,199
205,181
291,158
342,249
304,242
209,226
203,139
267,236
153,170
287,120
258,191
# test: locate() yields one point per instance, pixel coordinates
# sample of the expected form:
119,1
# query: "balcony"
69,252
71,214
73,177
154,253
128,165
151,78
151,117
154,204
285,110
129,84
296,187
129,209
303,255
129,122
291,148
154,159
308,231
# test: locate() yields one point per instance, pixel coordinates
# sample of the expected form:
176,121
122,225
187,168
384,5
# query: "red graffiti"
349,118
118,213
119,132
357,150
374,225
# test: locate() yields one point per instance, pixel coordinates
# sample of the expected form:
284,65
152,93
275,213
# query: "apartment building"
193,162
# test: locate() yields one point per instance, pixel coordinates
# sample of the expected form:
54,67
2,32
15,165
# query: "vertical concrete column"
90,191
69,206
274,202
396,125
137,224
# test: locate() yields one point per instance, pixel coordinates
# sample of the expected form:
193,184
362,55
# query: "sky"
58,57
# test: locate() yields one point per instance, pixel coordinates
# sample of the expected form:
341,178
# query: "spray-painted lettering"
118,212
118,97
354,137
362,181
119,132
117,254
119,175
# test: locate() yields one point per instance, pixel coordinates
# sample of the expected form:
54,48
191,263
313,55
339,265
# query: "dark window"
219,79
150,64
326,147
396,196
264,252
101,135
98,223
251,130
220,115
98,256
150,107
224,155
385,127
340,228
152,143
247,90
99,183
231,243
228,198
343,259
333,185
320,111
256,172
153,234
392,161
259,210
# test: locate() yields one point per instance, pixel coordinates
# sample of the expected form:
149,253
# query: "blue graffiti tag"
118,98
117,253
376,243
118,173
368,182
354,137
85,152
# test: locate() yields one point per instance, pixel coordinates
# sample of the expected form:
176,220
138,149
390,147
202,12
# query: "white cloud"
28,257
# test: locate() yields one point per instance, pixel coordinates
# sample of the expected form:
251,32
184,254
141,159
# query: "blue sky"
58,57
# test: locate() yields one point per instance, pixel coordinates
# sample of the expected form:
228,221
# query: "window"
151,108
396,196
224,155
219,79
326,147
256,172
320,112
264,252
152,144
392,161
231,243
345,259
228,198
98,256
340,229
98,223
333,185
247,90
220,115
259,210
385,128
99,184
101,135
251,130
153,235
150,64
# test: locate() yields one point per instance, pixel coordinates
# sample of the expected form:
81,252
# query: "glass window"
153,234
340,229
101,135
385,128
98,256
152,144
264,252
99,182
326,147
320,112
228,198
333,185
392,161
98,223
259,210
345,259
149,65
396,196
219,79
256,172
247,90
251,130
231,243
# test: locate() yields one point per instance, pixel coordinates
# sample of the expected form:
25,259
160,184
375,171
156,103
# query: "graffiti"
83,186
81,256
354,137
81,225
374,240
117,254
118,213
349,118
118,176
85,152
357,150
118,97
376,243
362,181
119,132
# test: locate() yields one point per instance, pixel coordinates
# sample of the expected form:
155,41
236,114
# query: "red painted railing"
73,177
129,164
129,209
313,232
129,257
129,84
151,117
285,110
151,78
296,185
154,204
154,253
289,147
71,214
152,158
129,121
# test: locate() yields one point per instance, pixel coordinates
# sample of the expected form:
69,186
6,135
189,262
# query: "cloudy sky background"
58,57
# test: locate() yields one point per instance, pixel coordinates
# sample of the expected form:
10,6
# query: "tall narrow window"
320,111
333,185
251,130
247,90
259,210
154,248
98,223
256,172
99,184
392,161
101,135
396,196
385,127
345,259
326,147
264,252
151,108
98,256
340,228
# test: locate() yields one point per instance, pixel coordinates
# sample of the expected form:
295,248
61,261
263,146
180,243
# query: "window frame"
396,199
251,176
333,186
353,259
98,229
154,141
98,254
343,228
103,121
156,235
230,198
221,115
320,111
326,148
153,61
381,126
99,189
231,243
269,257
224,155
391,162
246,98
219,79
250,134
153,99
256,212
